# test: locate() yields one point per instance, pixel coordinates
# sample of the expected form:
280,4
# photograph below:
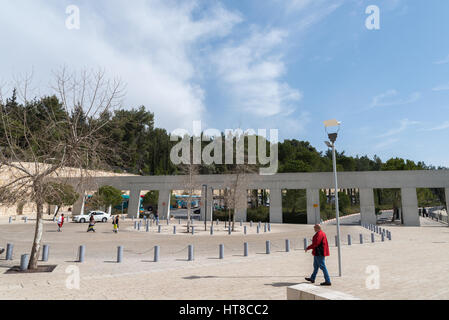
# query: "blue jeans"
319,263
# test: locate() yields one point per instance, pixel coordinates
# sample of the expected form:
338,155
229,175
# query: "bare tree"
236,197
41,137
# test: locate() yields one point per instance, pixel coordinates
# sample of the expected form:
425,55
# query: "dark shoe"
325,284
310,280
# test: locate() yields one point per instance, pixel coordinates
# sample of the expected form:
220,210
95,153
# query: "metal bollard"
119,254
372,237
260,224
24,260
211,230
135,225
269,227
193,230
258,229
10,220
287,245
250,224
81,251
221,252
174,229
336,241
349,240
147,227
26,219
9,251
229,229
265,228
245,249
45,253
244,230
156,253
168,222
382,235
217,222
389,236
159,229
268,246
190,253
305,243
179,221
361,238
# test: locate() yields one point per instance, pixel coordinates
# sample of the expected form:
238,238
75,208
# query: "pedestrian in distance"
115,222
91,224
320,251
60,222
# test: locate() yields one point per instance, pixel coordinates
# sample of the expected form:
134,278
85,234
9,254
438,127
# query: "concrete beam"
163,206
367,206
313,214
134,202
410,207
275,205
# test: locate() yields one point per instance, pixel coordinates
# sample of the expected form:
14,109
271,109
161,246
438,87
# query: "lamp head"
332,124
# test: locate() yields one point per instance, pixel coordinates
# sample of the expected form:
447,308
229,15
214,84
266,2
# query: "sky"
251,64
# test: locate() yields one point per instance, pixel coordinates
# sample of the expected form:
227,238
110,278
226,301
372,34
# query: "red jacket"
319,245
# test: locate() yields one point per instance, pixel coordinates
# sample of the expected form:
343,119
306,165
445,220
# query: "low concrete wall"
306,291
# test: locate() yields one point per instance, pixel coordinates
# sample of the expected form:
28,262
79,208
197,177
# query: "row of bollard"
190,252
384,233
138,225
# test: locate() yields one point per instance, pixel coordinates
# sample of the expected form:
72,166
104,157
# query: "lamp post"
331,144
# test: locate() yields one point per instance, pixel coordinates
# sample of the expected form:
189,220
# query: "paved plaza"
412,266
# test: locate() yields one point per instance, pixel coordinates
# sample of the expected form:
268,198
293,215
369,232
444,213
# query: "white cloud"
388,99
403,125
443,87
149,44
443,126
443,61
252,72
385,143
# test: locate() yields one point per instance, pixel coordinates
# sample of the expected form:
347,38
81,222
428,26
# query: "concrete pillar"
410,207
133,204
447,201
209,203
241,204
367,207
79,204
275,205
204,209
163,206
313,213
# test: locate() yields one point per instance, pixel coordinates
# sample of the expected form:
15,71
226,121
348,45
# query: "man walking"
60,222
320,251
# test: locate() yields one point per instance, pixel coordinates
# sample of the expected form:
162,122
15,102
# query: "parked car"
99,216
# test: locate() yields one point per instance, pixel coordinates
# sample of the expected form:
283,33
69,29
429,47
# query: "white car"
99,216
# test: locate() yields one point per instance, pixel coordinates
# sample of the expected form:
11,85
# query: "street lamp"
333,137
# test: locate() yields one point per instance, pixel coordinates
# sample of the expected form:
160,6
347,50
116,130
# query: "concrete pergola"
366,182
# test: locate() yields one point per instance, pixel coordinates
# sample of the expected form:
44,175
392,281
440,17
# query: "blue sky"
273,64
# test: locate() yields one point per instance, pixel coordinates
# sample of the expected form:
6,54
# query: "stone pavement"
411,266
